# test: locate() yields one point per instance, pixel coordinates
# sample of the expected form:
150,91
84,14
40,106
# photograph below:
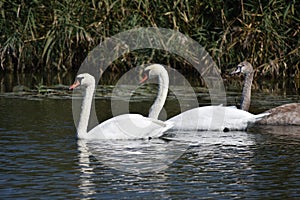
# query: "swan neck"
246,95
163,82
85,112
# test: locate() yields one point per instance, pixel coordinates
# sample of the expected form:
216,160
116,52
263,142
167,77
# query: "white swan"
287,114
126,126
214,118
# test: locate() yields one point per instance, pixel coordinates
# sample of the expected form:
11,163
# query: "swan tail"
260,116
166,125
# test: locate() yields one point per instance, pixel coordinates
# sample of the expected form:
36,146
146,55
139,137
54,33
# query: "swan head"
153,71
244,68
84,80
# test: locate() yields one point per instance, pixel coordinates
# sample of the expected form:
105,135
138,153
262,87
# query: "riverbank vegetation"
42,35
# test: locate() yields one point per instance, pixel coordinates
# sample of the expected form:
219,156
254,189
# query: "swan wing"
238,120
214,118
194,119
129,126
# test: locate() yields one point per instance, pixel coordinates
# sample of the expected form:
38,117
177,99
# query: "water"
42,159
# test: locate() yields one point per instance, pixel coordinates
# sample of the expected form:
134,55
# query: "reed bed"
56,36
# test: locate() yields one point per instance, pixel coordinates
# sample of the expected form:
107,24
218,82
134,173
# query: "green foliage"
57,35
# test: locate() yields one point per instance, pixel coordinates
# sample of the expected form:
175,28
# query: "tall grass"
56,35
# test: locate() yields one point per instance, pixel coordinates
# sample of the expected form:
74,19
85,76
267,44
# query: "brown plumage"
287,114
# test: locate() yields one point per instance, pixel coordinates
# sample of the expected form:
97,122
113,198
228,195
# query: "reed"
57,35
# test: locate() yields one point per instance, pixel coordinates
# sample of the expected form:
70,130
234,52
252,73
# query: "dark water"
42,159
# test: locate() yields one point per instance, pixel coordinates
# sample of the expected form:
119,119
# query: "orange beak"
75,85
144,79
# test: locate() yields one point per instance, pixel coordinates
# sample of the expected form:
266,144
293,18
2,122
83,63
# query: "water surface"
41,157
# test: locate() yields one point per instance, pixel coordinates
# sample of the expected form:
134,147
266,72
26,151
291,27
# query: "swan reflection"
142,156
135,156
281,132
137,159
86,184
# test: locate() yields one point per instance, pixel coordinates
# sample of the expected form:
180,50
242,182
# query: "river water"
42,159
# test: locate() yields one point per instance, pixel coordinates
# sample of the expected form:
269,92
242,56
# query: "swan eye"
79,79
146,73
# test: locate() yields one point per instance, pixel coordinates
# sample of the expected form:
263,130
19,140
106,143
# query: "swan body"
214,118
126,126
287,114
129,126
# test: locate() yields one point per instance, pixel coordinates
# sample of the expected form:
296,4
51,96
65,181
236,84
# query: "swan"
125,126
287,114
214,118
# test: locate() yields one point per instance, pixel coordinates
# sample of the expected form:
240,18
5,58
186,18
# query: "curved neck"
163,82
246,96
85,111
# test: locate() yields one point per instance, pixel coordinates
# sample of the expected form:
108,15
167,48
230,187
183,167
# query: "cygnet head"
153,71
84,80
244,68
